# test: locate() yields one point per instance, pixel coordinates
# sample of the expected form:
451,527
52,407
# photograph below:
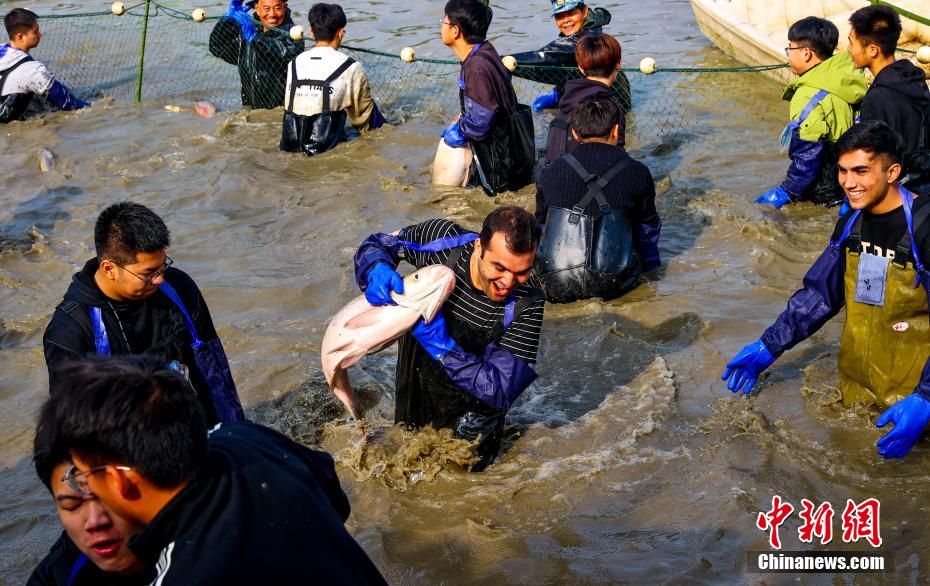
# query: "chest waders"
318,133
582,256
424,393
13,106
209,359
885,342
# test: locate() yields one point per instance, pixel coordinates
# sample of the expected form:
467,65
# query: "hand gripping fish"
360,328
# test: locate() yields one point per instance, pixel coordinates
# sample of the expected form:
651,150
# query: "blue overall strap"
509,309
847,229
474,49
173,296
101,341
442,243
811,104
907,197
81,561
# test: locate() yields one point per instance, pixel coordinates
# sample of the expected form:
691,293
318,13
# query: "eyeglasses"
148,280
77,480
789,49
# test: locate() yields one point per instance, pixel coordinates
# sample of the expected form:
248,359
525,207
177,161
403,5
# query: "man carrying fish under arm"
467,366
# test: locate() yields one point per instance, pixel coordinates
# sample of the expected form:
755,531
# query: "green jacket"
836,113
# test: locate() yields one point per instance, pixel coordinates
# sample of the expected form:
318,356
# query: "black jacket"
899,97
55,570
262,510
597,19
262,63
152,326
560,138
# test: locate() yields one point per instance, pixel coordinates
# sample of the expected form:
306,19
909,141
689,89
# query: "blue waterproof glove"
909,416
453,136
746,367
235,6
775,197
433,336
246,24
546,101
382,279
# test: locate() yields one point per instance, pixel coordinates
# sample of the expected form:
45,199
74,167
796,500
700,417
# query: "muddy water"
628,461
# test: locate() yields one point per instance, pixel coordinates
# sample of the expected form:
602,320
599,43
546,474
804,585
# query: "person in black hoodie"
242,504
598,57
898,95
122,302
262,55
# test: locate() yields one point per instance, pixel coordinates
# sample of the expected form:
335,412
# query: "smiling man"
464,369
262,53
129,299
874,266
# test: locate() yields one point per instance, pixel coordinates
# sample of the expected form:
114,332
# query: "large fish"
360,328
450,167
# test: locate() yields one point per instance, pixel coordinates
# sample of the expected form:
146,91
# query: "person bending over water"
22,77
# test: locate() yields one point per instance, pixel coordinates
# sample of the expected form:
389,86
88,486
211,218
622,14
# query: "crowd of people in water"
157,484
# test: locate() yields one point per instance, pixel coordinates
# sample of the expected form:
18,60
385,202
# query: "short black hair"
595,118
877,25
19,20
472,17
520,229
45,455
818,34
127,410
875,137
326,20
125,229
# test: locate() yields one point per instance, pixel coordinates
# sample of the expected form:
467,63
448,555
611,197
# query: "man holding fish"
466,366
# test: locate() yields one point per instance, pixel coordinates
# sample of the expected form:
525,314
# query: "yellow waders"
883,349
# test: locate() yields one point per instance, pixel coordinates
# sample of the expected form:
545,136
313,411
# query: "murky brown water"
628,461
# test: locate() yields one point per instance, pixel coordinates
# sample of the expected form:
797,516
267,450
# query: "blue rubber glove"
382,279
245,23
453,136
546,101
235,6
909,416
746,367
844,207
433,336
775,197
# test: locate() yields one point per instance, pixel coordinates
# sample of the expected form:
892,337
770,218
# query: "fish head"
426,289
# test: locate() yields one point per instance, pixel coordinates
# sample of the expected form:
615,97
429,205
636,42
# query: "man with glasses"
242,504
130,300
822,99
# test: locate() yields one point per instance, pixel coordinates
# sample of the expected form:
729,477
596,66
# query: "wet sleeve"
648,226
805,165
61,97
497,378
481,105
820,298
363,112
224,40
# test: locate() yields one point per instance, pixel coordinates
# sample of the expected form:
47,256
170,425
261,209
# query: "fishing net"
152,52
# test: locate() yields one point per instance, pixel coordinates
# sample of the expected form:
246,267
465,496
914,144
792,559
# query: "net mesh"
98,54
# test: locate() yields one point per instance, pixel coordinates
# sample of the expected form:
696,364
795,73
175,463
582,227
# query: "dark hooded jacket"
262,63
560,138
597,19
65,565
153,326
899,97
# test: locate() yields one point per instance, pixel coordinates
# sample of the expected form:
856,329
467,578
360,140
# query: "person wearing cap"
262,53
574,20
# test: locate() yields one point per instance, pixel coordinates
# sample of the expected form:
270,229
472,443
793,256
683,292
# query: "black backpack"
916,163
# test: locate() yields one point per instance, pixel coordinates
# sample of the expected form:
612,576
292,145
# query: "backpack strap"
324,83
168,290
595,183
6,72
